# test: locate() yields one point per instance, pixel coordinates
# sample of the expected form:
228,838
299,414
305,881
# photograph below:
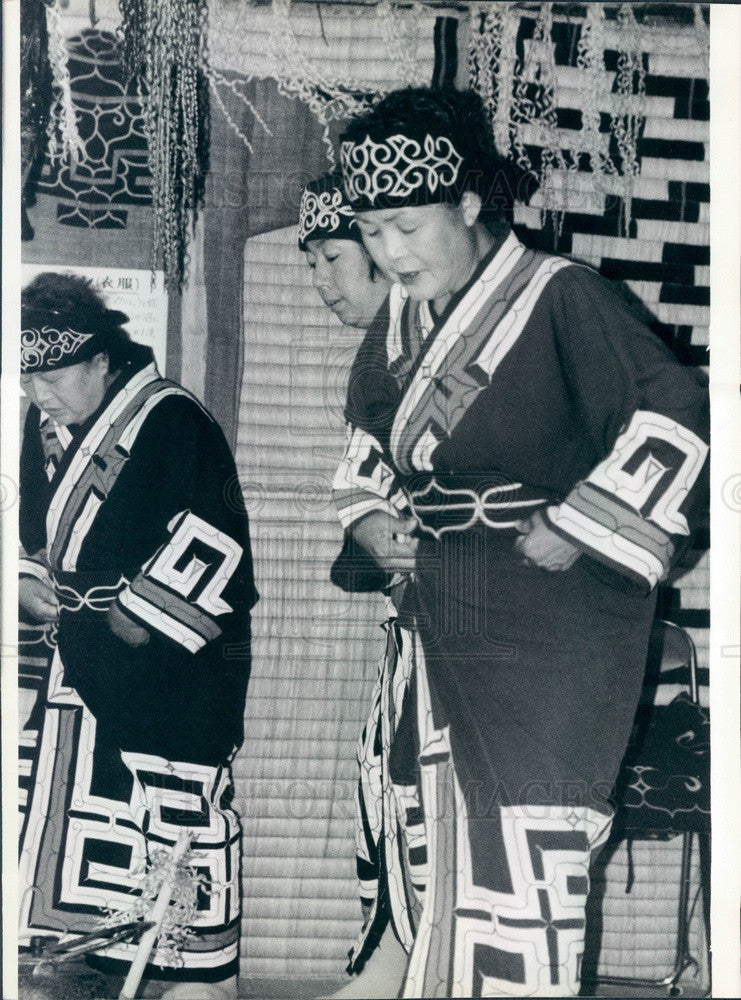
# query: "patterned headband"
52,338
324,213
400,170
45,348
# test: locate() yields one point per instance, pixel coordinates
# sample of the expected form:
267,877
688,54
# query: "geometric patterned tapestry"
664,256
113,171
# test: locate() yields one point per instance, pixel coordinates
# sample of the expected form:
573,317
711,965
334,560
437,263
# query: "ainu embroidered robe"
140,505
537,389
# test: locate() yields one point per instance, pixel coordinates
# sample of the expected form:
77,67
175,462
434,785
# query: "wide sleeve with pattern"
649,418
199,578
365,480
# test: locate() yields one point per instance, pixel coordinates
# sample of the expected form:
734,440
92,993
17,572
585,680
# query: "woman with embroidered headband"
554,455
136,543
346,278
352,286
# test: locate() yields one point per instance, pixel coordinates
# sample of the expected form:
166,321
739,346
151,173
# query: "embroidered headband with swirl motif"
325,213
53,338
395,171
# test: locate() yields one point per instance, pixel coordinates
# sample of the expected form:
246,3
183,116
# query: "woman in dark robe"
136,542
389,834
553,452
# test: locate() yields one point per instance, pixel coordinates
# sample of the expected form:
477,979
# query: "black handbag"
664,784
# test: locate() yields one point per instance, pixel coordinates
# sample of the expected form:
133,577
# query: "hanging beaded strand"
521,92
164,44
596,96
36,87
64,137
630,106
402,38
286,58
298,76
482,58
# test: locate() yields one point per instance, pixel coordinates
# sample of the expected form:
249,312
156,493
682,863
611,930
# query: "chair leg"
683,958
705,854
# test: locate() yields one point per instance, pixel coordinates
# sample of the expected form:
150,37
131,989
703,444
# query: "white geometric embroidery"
423,449
48,344
635,487
323,211
183,580
398,166
492,501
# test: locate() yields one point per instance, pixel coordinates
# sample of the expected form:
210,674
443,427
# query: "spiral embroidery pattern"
398,166
321,210
48,345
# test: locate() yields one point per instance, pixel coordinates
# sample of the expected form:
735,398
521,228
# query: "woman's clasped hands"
389,540
540,546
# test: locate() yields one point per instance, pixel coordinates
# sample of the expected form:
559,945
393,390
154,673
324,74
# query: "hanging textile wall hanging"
112,171
49,121
88,202
129,120
607,108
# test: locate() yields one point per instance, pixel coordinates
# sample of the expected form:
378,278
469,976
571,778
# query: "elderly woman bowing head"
553,454
136,541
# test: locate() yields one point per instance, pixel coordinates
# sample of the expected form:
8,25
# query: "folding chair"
662,791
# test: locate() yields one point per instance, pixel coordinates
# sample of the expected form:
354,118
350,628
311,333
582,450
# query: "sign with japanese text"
132,291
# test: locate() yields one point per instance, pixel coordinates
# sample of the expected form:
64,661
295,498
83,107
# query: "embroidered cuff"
363,482
613,533
34,567
352,505
178,592
155,607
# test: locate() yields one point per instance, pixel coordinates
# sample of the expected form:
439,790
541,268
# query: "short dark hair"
74,298
459,114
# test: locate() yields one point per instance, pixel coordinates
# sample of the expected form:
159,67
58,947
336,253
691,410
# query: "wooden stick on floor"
131,985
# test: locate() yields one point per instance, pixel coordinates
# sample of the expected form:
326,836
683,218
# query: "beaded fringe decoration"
298,76
36,96
64,137
519,86
300,73
165,49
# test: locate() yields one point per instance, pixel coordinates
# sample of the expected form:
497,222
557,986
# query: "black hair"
73,298
459,114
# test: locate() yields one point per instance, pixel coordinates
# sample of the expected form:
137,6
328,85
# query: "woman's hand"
388,540
123,627
37,599
539,546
